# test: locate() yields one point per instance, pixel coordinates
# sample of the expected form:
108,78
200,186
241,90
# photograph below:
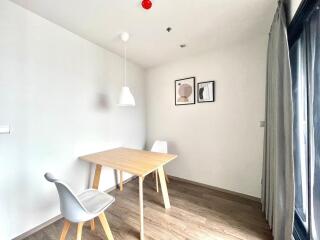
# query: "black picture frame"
212,90
193,91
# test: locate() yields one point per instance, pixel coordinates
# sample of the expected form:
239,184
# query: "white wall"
293,7
219,143
58,92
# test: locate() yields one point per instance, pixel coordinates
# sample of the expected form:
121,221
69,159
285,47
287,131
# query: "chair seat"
95,201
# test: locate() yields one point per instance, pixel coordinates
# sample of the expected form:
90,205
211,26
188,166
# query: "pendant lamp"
126,98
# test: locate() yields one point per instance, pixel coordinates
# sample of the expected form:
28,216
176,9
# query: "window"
305,67
300,128
300,136
313,64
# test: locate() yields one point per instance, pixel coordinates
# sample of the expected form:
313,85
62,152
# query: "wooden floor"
197,213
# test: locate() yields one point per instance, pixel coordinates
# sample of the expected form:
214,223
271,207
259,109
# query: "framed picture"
185,91
206,92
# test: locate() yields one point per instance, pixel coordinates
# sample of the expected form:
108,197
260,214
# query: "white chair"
160,147
85,207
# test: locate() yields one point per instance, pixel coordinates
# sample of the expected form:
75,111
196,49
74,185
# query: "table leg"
157,182
95,185
141,207
96,179
164,188
121,181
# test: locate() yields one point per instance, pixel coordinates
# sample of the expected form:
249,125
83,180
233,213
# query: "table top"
137,162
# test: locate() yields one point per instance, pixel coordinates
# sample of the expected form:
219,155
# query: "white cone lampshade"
126,98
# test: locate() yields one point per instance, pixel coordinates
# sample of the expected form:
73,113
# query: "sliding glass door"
300,135
305,64
313,64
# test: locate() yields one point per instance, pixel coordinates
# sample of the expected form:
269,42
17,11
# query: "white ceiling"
201,24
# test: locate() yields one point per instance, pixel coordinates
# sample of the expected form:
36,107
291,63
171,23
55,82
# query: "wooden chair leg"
157,181
79,230
65,229
105,226
92,224
167,178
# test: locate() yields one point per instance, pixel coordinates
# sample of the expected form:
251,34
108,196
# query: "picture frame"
185,93
206,91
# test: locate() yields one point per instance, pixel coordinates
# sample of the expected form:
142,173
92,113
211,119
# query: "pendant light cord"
125,65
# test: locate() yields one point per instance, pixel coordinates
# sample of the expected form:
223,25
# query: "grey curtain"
278,169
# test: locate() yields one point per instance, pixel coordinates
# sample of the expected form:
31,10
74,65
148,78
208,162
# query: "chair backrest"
70,206
160,146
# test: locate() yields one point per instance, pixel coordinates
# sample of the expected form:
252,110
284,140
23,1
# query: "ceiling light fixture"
126,98
146,4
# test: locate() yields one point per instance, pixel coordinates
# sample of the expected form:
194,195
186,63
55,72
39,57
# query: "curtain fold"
278,167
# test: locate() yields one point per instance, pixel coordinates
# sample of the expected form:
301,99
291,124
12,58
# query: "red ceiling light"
146,4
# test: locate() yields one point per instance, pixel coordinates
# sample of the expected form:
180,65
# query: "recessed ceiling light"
169,29
183,45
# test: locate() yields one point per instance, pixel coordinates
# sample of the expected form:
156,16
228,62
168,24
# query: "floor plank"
197,213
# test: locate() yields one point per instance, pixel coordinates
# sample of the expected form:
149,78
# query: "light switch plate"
4,129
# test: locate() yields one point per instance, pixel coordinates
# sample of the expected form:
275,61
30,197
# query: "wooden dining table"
137,162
